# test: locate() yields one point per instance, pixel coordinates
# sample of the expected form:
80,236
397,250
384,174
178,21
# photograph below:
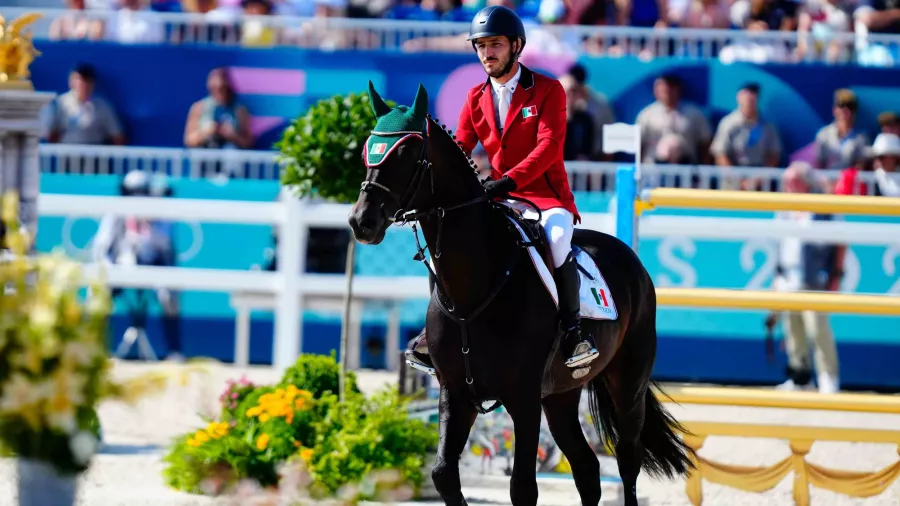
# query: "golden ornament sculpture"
17,52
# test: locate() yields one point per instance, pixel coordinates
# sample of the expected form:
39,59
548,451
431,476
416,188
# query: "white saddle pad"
596,298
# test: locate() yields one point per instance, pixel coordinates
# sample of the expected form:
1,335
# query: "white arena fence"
246,164
293,289
226,28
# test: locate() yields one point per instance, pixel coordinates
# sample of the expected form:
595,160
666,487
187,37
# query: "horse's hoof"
420,367
581,372
583,355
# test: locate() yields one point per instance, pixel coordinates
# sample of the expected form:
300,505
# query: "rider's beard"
504,65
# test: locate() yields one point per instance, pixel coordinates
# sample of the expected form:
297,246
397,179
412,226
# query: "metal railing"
246,164
327,33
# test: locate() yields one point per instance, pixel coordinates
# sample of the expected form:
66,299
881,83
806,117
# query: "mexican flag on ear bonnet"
393,126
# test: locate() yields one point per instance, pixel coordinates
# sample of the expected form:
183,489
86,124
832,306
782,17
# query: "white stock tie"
504,107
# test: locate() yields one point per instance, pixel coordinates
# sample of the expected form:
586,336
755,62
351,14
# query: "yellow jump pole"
768,201
827,302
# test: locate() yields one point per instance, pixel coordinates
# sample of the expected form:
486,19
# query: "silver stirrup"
584,354
419,367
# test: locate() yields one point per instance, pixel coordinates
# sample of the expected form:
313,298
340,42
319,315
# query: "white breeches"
558,224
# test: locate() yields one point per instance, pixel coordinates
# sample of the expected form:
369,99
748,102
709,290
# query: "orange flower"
262,442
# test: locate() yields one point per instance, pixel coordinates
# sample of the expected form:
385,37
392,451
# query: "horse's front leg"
457,416
525,411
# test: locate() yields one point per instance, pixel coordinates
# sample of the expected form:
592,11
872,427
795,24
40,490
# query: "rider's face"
494,54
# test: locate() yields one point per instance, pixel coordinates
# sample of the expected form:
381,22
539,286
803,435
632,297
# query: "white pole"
291,264
637,156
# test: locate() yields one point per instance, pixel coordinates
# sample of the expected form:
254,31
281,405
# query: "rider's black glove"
500,187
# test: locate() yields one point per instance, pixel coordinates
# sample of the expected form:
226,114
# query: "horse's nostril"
367,224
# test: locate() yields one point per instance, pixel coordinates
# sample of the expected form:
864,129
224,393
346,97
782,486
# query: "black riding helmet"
497,20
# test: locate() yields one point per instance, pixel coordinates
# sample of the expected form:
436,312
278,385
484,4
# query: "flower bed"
300,421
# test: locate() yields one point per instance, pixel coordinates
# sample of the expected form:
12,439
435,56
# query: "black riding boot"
567,284
417,351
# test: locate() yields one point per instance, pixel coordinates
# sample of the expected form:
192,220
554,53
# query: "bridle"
404,214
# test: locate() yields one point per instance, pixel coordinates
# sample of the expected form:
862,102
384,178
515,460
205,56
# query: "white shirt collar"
510,85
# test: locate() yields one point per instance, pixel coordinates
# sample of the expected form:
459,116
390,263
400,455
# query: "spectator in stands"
808,267
839,143
134,241
643,13
319,33
673,131
761,15
76,24
131,24
821,20
886,150
849,181
744,139
165,5
219,120
889,122
878,16
597,107
220,23
257,32
423,10
79,116
579,142
773,15
713,14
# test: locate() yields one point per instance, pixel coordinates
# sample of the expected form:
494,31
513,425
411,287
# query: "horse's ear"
378,106
420,104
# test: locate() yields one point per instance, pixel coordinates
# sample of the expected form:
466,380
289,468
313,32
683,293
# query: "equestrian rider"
519,117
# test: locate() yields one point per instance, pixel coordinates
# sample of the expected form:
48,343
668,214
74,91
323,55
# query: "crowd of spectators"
819,24
673,131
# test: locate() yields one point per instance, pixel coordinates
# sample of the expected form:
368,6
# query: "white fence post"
293,231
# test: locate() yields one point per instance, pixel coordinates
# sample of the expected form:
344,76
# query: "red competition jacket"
530,151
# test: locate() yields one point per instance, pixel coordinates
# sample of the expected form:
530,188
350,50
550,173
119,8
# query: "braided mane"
449,132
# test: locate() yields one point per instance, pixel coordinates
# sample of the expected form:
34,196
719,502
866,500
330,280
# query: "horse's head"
396,161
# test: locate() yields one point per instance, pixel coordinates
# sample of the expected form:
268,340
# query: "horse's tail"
665,453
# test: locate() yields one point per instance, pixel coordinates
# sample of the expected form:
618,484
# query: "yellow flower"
217,430
263,418
262,442
306,454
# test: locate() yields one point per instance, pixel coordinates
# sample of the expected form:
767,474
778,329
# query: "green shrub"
319,374
321,152
366,435
302,418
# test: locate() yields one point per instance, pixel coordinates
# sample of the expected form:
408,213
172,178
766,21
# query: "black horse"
492,326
